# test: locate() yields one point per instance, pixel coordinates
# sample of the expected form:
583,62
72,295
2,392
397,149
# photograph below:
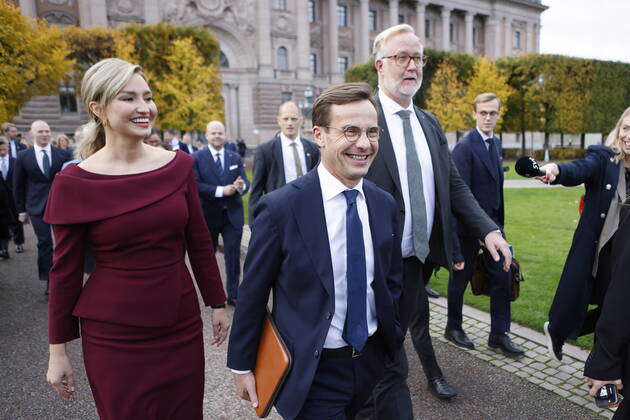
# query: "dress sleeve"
66,282
201,251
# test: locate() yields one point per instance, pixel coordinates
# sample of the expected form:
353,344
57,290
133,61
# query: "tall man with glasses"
478,160
35,169
328,246
414,165
282,159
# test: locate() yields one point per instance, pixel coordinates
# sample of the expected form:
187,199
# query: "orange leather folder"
273,363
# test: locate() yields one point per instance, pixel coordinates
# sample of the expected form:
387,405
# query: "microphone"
528,167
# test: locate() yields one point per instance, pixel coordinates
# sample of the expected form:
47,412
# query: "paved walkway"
526,183
490,386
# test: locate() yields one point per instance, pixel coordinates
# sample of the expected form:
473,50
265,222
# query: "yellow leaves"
487,78
446,98
33,59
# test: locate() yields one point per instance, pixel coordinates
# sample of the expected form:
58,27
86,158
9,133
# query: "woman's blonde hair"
613,140
101,84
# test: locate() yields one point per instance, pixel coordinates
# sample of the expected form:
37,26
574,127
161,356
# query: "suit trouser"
231,250
499,289
341,385
17,232
44,246
391,398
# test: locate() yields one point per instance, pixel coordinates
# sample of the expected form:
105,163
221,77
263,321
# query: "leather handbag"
273,363
480,285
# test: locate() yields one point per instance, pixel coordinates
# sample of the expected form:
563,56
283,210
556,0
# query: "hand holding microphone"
528,167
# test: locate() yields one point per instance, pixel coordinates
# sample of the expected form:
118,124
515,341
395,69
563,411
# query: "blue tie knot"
404,114
351,196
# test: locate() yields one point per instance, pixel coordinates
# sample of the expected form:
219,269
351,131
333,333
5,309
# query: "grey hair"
382,38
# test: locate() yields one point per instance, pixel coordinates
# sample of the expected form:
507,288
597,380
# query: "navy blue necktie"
46,164
355,330
494,155
218,161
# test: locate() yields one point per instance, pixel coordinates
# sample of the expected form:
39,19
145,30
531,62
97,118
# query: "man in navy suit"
282,159
7,168
478,160
171,139
11,133
35,169
222,180
327,244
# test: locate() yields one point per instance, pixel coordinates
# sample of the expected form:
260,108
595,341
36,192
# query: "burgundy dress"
138,313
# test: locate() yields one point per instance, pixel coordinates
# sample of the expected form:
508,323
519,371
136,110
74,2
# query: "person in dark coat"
587,270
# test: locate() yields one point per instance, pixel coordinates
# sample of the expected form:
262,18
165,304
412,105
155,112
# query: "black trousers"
499,289
44,246
391,398
232,251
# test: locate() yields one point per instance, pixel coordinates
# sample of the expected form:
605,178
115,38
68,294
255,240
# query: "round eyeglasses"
353,133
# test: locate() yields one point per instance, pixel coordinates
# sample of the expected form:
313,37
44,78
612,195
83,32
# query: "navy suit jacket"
30,185
208,178
18,147
269,168
8,185
289,253
451,192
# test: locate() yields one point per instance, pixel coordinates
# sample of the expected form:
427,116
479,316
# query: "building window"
343,64
451,32
401,19
67,99
286,96
280,4
312,62
223,61
372,20
475,34
282,59
427,29
517,40
342,16
311,11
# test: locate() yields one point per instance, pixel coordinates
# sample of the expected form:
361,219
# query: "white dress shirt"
219,190
335,206
13,146
484,138
290,174
175,143
4,166
397,135
40,156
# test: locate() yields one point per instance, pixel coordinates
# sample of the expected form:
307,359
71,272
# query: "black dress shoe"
19,249
554,343
504,343
430,292
441,389
231,302
4,254
459,338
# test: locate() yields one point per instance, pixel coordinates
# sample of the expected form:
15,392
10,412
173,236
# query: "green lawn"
511,174
540,225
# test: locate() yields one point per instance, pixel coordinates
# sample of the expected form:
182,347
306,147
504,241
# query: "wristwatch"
219,306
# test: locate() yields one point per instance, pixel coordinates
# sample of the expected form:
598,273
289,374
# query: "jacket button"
329,315
316,354
603,215
608,186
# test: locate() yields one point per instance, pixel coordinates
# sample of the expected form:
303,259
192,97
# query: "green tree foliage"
187,96
33,60
487,78
446,98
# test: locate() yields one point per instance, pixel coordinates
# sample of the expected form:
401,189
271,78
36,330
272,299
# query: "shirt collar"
331,186
391,107
38,149
287,141
483,136
214,151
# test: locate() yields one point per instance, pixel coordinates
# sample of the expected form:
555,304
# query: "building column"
393,12
529,38
151,12
468,19
507,33
265,67
333,42
536,36
446,24
93,13
28,8
303,41
364,36
234,108
491,44
420,18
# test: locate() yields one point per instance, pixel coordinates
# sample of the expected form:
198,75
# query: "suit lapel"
307,155
209,160
277,156
479,148
308,210
377,233
386,149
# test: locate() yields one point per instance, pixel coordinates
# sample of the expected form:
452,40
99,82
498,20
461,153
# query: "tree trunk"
523,145
603,138
561,139
582,140
546,147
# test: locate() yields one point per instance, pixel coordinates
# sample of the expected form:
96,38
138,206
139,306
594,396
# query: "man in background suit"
35,169
283,158
415,166
7,168
171,139
221,180
11,133
328,246
478,160
7,215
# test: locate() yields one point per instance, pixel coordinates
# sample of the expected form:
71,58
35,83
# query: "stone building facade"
275,50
